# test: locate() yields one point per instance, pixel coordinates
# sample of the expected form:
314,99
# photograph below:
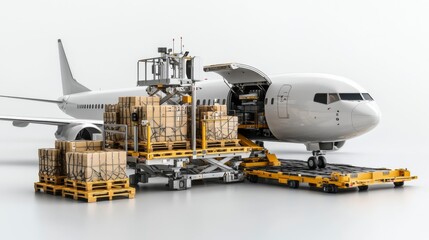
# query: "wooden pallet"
95,195
48,188
54,180
220,143
159,146
97,185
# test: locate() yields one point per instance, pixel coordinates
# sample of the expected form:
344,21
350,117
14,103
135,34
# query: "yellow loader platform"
330,179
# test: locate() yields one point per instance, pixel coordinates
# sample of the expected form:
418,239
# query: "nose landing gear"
317,160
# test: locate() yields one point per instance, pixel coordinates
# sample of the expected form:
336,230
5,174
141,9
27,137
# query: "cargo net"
96,166
50,162
168,123
218,125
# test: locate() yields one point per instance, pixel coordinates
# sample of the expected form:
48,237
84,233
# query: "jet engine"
76,131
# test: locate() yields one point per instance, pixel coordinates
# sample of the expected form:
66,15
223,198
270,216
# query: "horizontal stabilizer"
24,121
32,99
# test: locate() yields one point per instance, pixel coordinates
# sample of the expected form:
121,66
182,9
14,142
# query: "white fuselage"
291,110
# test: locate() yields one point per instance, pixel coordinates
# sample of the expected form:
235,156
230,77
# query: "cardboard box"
50,162
84,166
114,166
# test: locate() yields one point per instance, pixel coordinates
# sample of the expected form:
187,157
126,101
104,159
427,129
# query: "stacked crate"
82,170
94,175
220,129
168,123
52,164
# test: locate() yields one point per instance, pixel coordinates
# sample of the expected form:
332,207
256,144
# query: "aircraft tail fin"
70,85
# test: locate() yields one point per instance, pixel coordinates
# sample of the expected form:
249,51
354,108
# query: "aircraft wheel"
312,163
293,184
363,188
398,184
321,162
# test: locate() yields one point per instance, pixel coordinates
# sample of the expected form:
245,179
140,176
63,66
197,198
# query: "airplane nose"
365,116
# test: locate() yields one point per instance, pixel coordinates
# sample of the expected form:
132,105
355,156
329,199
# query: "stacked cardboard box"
219,126
168,122
52,160
93,166
50,163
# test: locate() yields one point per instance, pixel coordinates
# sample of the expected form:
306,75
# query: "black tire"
293,184
363,188
260,143
312,163
330,188
253,178
326,188
398,184
321,162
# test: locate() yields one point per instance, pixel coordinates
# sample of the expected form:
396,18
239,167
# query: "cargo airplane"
319,110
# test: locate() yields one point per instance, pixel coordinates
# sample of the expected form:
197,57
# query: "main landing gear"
317,160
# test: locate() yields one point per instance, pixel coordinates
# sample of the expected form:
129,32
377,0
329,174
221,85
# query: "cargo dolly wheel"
321,162
398,184
330,188
312,163
253,178
363,188
293,184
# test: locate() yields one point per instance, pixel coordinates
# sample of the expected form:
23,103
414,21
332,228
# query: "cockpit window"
351,96
321,98
368,97
333,97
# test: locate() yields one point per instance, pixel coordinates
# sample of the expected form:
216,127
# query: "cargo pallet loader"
172,77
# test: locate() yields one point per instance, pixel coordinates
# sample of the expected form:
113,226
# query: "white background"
382,45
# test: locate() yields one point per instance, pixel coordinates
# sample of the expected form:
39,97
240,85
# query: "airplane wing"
24,121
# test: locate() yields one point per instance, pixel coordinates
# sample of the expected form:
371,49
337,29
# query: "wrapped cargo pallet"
114,166
96,165
77,146
50,162
220,127
84,166
138,101
168,123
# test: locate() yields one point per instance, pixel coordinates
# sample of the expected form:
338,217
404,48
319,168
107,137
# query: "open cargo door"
237,73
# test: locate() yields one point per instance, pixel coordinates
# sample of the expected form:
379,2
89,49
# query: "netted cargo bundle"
168,123
114,166
96,166
77,146
219,127
138,101
50,162
201,109
84,166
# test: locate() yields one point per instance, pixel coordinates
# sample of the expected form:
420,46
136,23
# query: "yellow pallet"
54,180
220,143
97,185
95,195
330,179
48,188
